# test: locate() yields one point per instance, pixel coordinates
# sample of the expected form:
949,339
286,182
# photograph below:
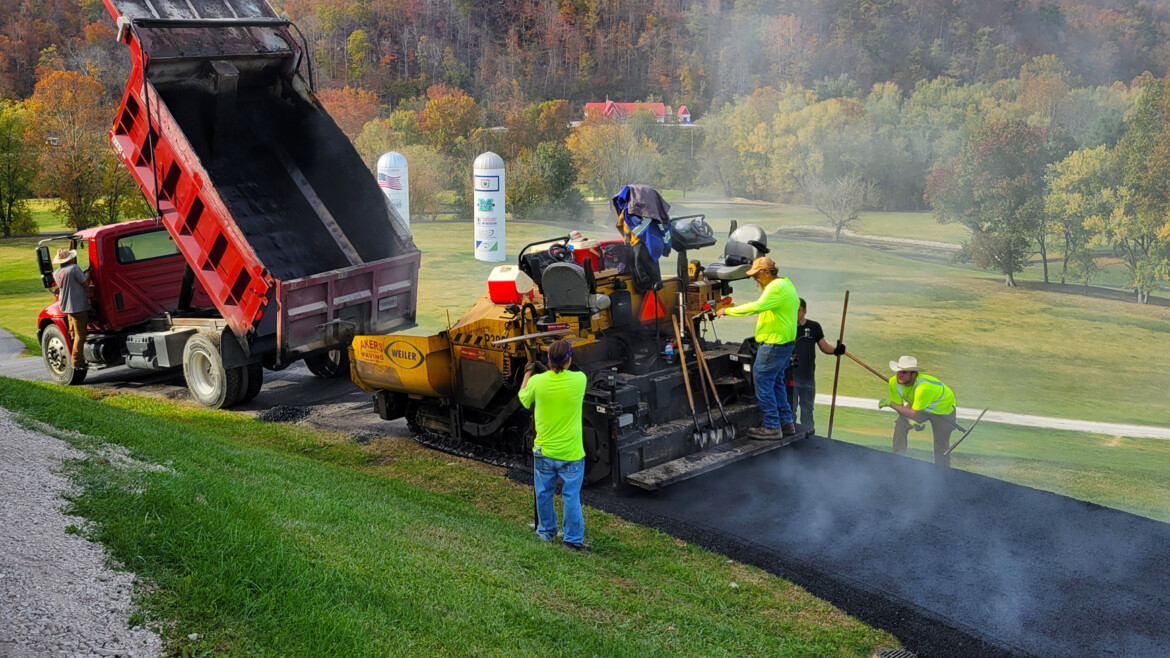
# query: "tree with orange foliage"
352,108
69,118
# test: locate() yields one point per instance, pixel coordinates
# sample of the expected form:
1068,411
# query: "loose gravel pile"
283,413
57,597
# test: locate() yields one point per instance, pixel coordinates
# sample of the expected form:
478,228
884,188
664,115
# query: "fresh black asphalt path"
952,563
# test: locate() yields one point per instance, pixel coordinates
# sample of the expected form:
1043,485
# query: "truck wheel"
253,379
334,363
58,362
211,384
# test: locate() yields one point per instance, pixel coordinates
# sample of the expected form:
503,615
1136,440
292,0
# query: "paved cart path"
1024,420
951,562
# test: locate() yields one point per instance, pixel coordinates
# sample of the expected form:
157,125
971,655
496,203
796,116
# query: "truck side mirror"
45,264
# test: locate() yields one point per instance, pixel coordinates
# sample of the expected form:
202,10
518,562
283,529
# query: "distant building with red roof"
623,111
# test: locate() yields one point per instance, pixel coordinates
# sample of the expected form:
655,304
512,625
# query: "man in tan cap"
776,334
919,397
71,297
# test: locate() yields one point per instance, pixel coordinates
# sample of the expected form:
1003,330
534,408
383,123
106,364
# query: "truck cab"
135,274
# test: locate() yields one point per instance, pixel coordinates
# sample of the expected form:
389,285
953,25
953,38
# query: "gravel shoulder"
58,597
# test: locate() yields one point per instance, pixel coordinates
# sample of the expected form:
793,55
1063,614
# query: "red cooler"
590,249
508,285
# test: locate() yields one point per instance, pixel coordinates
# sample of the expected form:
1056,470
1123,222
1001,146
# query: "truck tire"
253,379
55,351
334,363
211,384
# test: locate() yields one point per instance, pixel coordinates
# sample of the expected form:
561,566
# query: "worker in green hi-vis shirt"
558,451
920,398
776,335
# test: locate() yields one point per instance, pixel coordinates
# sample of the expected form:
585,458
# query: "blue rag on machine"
645,218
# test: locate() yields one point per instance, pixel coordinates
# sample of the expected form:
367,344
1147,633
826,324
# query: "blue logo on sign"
487,183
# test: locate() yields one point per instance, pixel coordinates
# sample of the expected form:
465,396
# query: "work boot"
764,433
789,429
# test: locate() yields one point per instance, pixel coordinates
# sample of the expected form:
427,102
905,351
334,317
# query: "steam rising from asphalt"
1028,570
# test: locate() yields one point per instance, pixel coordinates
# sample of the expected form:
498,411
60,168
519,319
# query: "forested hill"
701,54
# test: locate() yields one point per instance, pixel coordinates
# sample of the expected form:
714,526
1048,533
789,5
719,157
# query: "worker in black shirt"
808,334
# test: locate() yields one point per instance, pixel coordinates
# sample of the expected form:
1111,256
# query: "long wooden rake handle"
837,368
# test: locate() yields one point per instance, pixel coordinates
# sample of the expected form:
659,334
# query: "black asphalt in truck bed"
281,226
952,563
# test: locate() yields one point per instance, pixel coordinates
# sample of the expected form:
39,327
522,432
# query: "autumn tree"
996,189
537,123
541,183
719,162
351,108
448,120
1140,223
1082,190
609,157
681,162
429,174
841,200
69,118
121,197
18,167
360,54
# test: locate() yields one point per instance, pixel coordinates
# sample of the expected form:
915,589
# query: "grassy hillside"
261,539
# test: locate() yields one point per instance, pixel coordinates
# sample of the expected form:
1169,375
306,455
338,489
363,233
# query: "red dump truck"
272,244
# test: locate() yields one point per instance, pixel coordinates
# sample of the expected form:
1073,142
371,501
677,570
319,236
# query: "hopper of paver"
277,216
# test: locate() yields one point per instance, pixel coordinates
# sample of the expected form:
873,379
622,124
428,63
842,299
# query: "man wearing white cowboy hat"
72,299
919,397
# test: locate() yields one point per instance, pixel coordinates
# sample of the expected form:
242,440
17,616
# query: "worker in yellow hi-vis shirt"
920,397
776,334
559,450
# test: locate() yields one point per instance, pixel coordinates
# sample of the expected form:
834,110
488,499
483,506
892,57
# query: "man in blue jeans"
558,451
776,335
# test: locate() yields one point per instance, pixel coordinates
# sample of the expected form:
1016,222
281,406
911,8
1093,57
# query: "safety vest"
927,394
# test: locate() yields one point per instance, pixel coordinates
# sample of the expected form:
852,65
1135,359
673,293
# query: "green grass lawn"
1025,351
770,216
262,539
1126,474
45,215
21,294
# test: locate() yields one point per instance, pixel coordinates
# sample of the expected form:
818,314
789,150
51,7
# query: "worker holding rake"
919,397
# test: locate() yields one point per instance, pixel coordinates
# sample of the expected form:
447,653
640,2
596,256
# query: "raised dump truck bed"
269,203
290,247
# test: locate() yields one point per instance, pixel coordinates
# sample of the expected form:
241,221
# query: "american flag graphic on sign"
390,182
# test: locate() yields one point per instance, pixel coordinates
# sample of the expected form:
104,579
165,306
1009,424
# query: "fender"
52,314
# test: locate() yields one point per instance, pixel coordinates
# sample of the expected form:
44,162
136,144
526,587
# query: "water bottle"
670,352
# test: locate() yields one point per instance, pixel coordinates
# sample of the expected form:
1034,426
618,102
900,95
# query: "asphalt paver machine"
460,385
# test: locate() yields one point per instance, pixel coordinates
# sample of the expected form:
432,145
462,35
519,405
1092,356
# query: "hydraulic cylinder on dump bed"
272,207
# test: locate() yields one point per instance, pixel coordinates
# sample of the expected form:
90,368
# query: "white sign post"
489,207
394,179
